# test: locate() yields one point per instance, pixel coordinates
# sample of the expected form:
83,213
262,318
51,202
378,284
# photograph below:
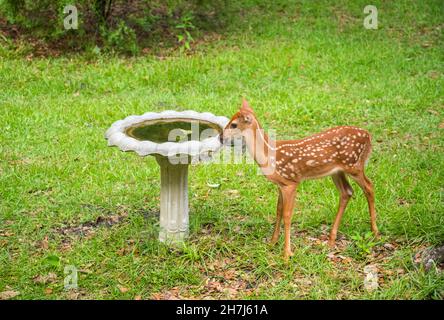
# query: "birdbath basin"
175,139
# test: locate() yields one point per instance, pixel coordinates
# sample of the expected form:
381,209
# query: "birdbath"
175,139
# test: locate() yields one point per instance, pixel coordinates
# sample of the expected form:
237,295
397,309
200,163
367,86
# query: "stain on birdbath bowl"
175,139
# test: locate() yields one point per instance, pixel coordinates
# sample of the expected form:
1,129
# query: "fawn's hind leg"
367,186
346,192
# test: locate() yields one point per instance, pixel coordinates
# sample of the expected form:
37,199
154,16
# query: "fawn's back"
342,148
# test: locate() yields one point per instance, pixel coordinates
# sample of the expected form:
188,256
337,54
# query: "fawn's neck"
259,145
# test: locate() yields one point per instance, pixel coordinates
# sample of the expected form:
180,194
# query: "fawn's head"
241,121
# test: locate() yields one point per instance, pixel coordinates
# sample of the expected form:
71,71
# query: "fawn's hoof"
332,240
287,255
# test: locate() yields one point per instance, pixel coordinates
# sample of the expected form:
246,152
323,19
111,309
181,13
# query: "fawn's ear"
245,106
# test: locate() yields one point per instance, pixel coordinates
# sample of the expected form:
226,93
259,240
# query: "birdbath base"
174,219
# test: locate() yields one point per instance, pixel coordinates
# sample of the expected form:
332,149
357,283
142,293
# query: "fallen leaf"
73,295
5,295
230,291
233,193
5,233
331,255
400,271
213,185
172,294
49,278
156,296
44,243
389,272
229,274
66,246
123,289
389,246
137,298
434,74
403,202
48,291
302,282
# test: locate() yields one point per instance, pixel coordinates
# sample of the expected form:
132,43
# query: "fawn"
335,152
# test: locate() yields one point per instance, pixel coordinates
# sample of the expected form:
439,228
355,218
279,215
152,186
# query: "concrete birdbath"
175,139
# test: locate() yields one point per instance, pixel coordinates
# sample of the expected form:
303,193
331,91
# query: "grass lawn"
68,199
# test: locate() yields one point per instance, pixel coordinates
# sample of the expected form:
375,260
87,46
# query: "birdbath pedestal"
175,139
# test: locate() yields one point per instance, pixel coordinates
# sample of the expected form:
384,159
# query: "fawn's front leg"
287,209
277,226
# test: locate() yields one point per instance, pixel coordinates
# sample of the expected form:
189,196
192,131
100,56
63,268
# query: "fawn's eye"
233,126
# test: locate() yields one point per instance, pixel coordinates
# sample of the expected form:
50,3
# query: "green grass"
304,67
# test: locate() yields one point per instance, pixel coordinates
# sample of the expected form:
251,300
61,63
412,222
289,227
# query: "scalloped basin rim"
118,134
